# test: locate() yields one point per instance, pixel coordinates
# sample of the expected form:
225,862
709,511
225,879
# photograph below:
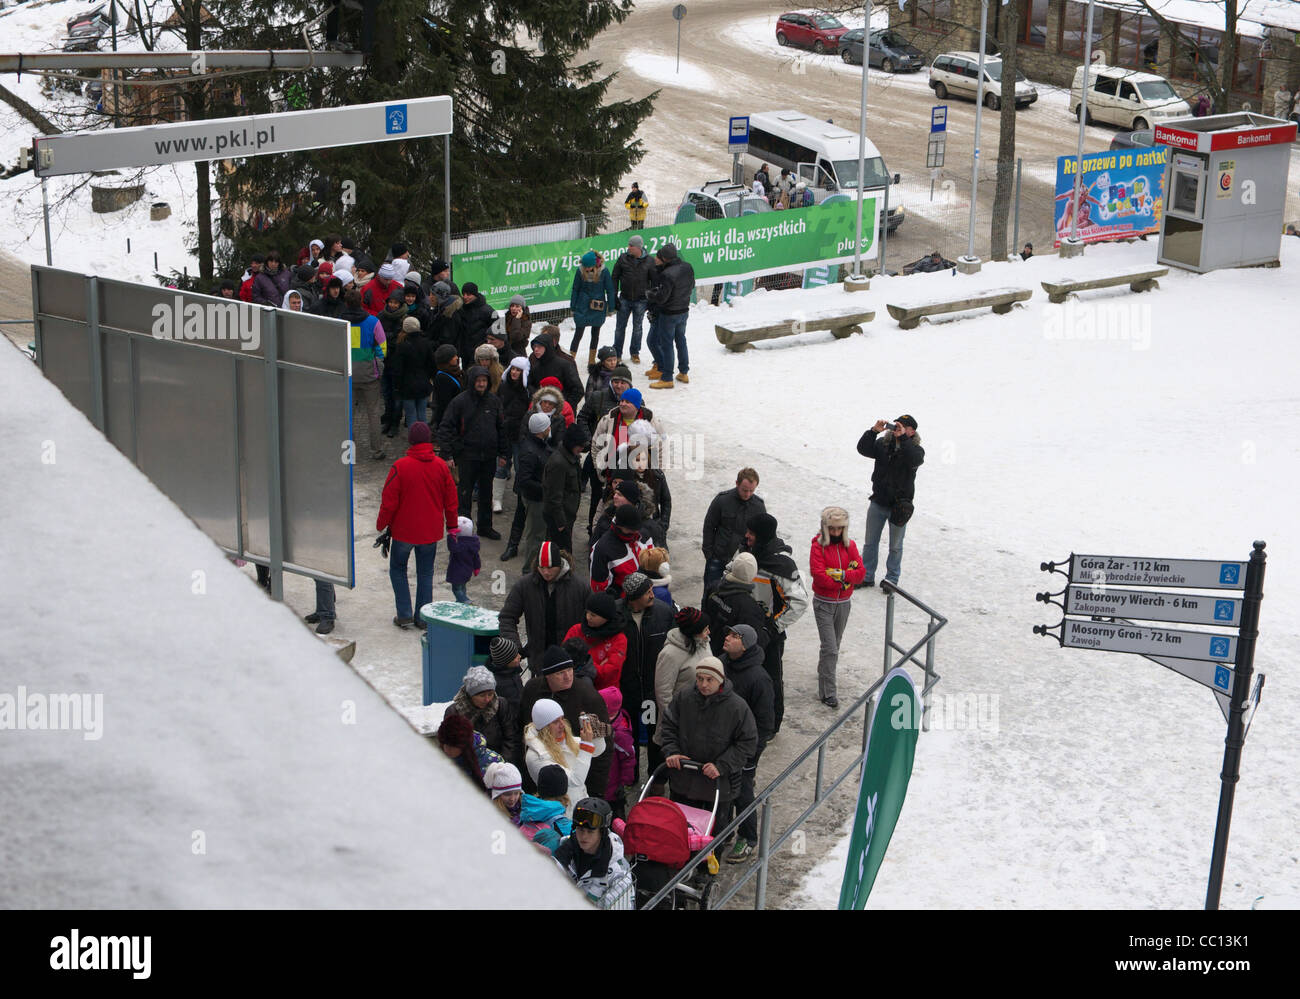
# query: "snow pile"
223,756
664,71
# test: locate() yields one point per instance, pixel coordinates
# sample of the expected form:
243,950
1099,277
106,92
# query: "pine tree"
533,138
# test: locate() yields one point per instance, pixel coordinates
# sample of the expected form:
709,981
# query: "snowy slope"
238,762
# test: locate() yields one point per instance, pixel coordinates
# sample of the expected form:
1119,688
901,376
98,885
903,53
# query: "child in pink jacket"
622,771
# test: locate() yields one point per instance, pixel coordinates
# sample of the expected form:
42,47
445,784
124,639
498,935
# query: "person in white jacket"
548,739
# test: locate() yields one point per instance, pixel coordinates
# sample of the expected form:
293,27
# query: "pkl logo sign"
395,119
1229,573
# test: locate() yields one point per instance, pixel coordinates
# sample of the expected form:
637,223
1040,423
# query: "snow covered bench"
1000,299
1138,279
741,335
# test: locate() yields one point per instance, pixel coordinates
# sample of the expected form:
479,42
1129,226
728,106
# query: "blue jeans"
398,556
325,600
504,471
672,332
714,570
637,311
877,517
458,591
415,411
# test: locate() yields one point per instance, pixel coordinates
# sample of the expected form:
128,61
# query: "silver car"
957,73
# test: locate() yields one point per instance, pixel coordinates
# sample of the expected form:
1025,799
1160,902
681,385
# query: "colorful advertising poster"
1121,195
718,250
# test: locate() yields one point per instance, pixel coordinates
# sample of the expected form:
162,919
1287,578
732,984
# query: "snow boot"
591,356
498,494
684,378
663,383
653,372
636,358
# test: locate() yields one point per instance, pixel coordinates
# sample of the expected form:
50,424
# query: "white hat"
400,267
538,422
344,275
344,263
465,526
385,272
546,711
502,778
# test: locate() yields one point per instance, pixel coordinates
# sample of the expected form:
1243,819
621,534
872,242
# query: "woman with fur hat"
685,645
492,717
654,563
836,568
592,299
548,739
457,738
485,356
593,857
602,632
549,399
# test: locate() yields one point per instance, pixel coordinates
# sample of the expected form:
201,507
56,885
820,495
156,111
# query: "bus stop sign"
738,134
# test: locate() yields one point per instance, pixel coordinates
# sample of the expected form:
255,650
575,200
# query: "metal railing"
762,801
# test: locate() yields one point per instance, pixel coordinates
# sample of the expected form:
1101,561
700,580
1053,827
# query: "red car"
816,30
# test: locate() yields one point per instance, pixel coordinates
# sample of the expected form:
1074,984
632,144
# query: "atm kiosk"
1225,190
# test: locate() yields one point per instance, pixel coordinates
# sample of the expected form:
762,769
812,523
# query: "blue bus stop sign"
738,132
939,118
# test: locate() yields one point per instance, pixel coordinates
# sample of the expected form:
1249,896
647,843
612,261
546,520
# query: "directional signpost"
1100,602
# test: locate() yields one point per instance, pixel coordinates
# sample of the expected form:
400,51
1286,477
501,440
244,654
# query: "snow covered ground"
224,757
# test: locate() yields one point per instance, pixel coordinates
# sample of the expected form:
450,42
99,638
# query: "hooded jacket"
675,670
897,459
530,466
411,359
419,498
754,686
543,821
718,730
592,297
733,603
303,300
470,325
671,284
778,585
606,878
472,427
623,759
515,400
561,487
552,365
645,640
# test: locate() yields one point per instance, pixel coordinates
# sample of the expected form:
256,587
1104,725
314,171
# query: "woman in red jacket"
836,568
419,499
602,630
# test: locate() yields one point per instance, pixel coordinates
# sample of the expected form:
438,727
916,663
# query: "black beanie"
764,527
555,659
552,781
628,517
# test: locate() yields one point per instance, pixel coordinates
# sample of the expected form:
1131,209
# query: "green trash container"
456,637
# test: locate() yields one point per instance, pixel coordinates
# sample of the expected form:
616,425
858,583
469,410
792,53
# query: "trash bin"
456,637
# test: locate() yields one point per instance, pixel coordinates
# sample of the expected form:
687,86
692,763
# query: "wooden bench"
1000,299
1138,279
739,336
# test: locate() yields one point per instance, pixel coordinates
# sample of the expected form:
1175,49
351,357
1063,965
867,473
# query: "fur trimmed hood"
547,392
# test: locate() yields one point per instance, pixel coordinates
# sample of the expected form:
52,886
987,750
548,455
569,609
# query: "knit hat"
589,259
438,266
415,278
712,666
324,267
548,556
365,264
577,649
410,325
628,517
502,778
764,527
554,659
518,300
305,272
546,711
631,395
636,241
442,289
486,352
667,252
748,636
396,295
343,276
550,381
742,569
621,371
576,435
690,621
496,332
629,490
385,272
502,651
478,680
606,351
469,288
457,730
552,781
603,605
538,422
418,433
654,561
444,354
636,584
907,421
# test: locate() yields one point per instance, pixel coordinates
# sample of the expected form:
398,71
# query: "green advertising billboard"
718,250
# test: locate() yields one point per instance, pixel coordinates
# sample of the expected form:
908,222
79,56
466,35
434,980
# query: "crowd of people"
626,681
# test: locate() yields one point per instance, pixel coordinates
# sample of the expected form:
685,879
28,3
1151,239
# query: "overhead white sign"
1118,570
248,135
1078,634
1153,605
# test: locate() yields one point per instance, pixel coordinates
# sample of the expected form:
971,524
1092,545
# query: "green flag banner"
891,748
718,250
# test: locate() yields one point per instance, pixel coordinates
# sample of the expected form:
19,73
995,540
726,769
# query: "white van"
1131,99
822,155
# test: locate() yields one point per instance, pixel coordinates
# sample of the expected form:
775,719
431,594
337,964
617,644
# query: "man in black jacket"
743,659
471,321
549,601
669,294
725,524
470,436
562,486
647,621
553,677
898,454
530,465
781,592
546,362
630,274
733,603
710,724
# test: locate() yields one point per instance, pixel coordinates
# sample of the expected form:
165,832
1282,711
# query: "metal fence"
757,870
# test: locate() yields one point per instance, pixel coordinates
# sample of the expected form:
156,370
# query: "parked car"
958,73
722,199
890,51
1143,138
816,30
1131,99
85,37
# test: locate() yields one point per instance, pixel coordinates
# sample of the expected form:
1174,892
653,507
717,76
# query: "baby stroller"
660,836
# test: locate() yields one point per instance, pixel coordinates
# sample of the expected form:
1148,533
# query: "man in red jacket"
419,498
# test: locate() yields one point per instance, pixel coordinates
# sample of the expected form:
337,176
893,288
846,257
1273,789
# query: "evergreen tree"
533,139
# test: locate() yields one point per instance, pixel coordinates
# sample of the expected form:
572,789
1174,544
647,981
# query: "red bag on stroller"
656,829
